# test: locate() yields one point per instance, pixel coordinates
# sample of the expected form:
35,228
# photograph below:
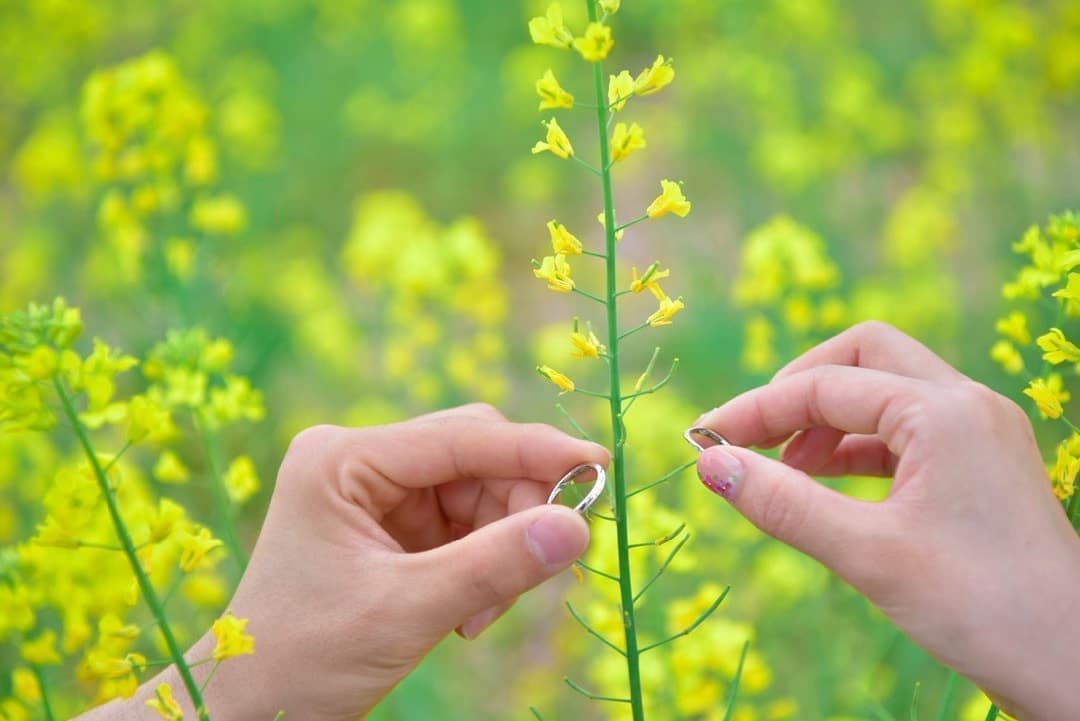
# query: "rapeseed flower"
563,382
552,95
563,242
556,271
556,142
625,140
550,30
231,638
597,42
1049,395
1057,348
670,200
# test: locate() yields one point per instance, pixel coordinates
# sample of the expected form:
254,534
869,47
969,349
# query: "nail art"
723,487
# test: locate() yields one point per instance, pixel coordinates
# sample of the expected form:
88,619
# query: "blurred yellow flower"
165,704
24,685
195,546
170,469
1071,294
1014,326
41,651
231,638
563,382
563,242
610,6
556,141
549,29
654,78
241,480
1049,394
618,233
556,271
222,215
670,200
625,141
1008,357
1063,473
552,95
597,42
620,89
1057,348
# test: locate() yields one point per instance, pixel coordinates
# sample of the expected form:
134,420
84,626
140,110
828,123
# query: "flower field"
221,223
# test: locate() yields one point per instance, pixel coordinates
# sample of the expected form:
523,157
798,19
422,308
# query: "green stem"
45,705
222,505
622,531
145,586
946,701
992,714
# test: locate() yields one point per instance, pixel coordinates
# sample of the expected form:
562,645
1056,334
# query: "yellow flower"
562,240
1014,326
170,469
148,420
241,480
194,547
24,686
556,141
565,384
1057,347
223,215
556,271
549,29
671,200
1048,394
42,650
586,346
654,78
1005,354
668,309
618,233
101,665
231,638
1063,474
552,94
1071,294
41,364
620,89
168,517
610,6
597,42
164,703
625,141
649,280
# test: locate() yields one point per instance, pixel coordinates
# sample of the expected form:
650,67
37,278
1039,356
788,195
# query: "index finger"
428,452
852,400
876,345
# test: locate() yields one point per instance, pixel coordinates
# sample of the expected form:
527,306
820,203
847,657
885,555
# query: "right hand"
970,554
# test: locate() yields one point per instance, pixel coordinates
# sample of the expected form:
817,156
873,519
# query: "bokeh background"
344,190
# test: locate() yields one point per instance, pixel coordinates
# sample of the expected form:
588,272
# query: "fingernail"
476,625
720,471
550,542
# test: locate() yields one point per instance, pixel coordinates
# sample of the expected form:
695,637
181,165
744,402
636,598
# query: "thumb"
489,568
791,506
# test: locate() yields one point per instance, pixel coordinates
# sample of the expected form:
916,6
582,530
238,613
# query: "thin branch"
597,571
593,631
593,394
603,516
587,166
594,255
733,694
663,479
536,713
116,457
588,295
663,567
573,422
592,696
635,221
658,386
642,378
689,629
631,332
662,540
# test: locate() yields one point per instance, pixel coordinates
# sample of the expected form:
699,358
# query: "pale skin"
379,542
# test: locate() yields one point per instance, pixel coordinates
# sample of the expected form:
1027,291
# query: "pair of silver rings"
597,489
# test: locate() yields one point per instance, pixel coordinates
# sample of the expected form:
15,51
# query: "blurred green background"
343,188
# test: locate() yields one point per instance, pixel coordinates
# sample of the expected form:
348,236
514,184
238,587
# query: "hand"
970,554
378,543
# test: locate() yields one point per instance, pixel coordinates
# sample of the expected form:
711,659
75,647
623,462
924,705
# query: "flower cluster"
105,538
625,678
1034,342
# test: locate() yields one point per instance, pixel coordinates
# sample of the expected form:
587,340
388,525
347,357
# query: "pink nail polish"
720,471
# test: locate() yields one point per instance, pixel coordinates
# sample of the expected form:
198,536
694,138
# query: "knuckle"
312,441
874,329
481,410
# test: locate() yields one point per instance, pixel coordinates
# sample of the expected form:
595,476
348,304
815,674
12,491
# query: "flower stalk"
157,610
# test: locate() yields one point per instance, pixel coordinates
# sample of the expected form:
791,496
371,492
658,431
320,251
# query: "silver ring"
594,493
712,435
